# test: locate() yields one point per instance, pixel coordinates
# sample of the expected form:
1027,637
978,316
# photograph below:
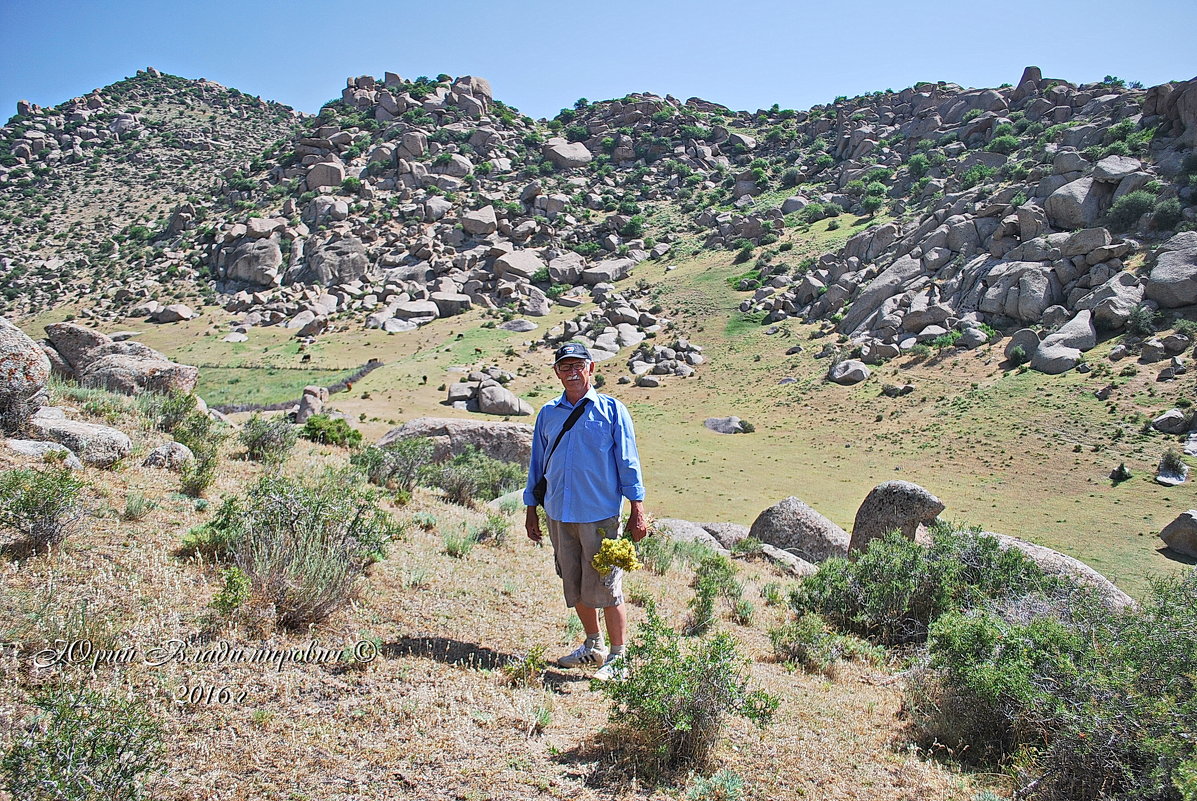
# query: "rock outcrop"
511,442
793,526
894,506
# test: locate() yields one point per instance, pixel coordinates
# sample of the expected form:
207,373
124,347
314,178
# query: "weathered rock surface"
1181,534
24,371
95,445
894,506
795,527
42,450
131,368
1055,563
848,372
724,425
172,456
1173,280
511,442
685,531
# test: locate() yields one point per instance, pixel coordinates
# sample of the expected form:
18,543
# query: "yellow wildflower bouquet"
619,552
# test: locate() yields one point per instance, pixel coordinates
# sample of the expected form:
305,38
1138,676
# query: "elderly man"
584,446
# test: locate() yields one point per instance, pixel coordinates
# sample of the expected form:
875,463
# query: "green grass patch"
221,385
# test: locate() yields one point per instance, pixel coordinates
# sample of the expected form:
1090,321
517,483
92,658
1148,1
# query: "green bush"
217,538
303,544
1166,215
42,506
1003,144
656,553
1141,321
918,164
473,476
893,591
675,700
1127,210
396,465
82,745
976,174
200,433
634,227
331,431
1097,703
268,440
1018,355
170,410
872,203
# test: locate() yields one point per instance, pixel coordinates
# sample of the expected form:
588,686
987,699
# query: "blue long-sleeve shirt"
595,466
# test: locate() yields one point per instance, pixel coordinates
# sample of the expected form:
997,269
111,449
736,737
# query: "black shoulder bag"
542,486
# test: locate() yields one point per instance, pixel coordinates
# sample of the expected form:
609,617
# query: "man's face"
575,374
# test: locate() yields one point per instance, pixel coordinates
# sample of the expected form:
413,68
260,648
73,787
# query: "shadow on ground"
1176,556
473,656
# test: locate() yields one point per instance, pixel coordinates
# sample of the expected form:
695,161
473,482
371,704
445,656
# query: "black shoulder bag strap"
542,484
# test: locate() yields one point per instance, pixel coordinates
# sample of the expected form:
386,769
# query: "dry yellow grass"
433,716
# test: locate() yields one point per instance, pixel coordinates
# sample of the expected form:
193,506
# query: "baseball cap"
572,350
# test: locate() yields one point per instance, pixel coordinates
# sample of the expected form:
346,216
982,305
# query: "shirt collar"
590,393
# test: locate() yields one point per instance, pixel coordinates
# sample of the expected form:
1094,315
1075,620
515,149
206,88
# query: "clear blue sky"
541,55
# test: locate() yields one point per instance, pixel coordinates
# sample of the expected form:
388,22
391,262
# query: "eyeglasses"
573,367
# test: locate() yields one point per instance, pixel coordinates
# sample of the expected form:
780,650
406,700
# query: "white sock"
594,640
616,650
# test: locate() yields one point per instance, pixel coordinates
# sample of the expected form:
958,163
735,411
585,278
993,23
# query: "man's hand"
532,524
637,525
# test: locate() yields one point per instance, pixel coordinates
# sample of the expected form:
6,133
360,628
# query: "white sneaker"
584,654
613,668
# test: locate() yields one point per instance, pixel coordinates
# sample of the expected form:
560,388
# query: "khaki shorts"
574,545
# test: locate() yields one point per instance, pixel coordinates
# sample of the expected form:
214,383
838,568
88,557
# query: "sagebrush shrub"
893,591
473,476
676,699
42,506
714,578
305,543
168,410
203,436
268,440
397,465
82,745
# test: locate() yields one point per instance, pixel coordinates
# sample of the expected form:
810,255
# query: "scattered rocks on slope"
484,391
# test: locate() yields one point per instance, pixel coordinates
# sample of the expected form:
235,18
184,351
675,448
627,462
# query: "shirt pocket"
595,436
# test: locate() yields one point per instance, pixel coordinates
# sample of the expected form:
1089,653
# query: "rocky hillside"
1041,204
87,187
